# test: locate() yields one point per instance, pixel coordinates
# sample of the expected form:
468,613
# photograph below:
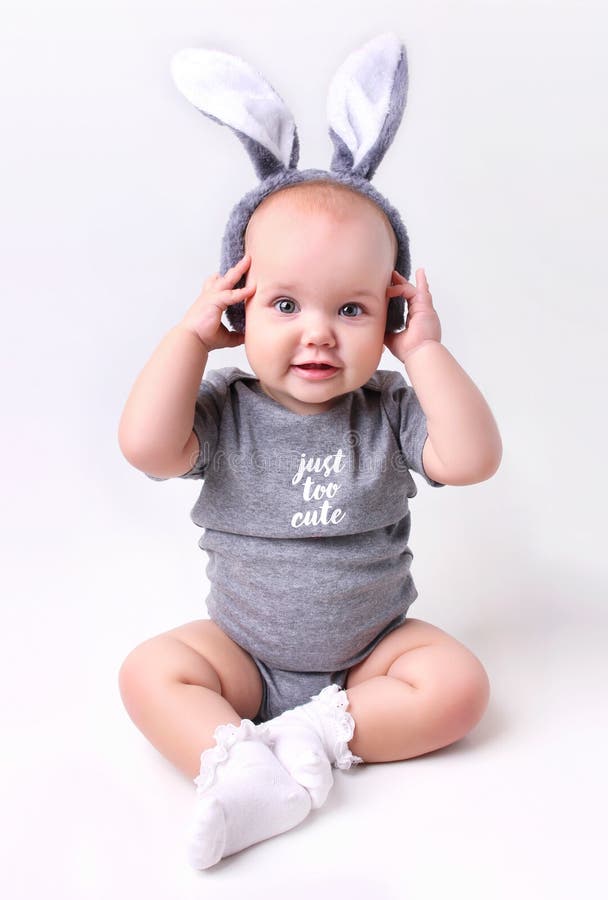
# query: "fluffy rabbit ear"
229,91
365,104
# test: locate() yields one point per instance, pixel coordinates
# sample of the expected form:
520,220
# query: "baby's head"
322,257
328,249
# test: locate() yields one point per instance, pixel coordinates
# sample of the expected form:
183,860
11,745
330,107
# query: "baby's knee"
161,663
139,672
472,691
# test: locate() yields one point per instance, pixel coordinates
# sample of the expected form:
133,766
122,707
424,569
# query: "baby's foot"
244,796
300,751
313,737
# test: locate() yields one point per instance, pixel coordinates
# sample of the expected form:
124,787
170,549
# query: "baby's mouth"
314,371
315,366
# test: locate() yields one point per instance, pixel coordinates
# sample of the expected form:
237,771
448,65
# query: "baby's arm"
463,444
155,432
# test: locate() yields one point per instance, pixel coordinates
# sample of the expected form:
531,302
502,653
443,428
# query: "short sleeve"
210,401
407,419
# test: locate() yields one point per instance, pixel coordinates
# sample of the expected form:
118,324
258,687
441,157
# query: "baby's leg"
179,686
187,690
419,689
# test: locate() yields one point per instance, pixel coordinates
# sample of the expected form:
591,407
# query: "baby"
308,660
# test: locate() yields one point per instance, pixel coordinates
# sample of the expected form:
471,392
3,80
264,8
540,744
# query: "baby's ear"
365,105
229,91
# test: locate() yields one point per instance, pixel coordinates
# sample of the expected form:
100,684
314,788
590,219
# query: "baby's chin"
343,382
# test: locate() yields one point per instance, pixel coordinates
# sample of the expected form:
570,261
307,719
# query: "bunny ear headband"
365,104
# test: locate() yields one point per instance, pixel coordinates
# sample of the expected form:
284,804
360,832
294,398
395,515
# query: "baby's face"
321,281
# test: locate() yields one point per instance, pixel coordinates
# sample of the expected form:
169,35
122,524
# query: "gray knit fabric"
306,518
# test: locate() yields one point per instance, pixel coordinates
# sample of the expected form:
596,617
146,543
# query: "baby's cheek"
368,350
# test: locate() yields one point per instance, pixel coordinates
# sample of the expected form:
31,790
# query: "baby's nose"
317,330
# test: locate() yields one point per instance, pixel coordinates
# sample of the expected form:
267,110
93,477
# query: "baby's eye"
350,310
285,305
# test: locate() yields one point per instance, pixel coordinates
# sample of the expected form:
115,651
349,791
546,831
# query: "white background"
115,193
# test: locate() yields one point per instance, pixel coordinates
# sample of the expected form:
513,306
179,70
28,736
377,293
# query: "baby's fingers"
421,281
395,290
235,295
235,273
400,286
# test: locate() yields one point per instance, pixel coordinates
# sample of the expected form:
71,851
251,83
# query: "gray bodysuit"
306,525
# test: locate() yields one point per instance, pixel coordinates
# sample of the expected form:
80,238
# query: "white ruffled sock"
244,795
309,739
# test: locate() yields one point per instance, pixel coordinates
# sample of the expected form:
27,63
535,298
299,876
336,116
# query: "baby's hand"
422,323
204,318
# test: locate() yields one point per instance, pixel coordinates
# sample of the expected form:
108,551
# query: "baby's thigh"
197,653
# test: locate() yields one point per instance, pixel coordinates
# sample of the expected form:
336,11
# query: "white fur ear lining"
359,95
226,88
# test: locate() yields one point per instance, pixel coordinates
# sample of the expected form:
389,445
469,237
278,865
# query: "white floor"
517,809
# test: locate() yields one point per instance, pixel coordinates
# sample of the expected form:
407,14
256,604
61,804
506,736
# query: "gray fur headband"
365,105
